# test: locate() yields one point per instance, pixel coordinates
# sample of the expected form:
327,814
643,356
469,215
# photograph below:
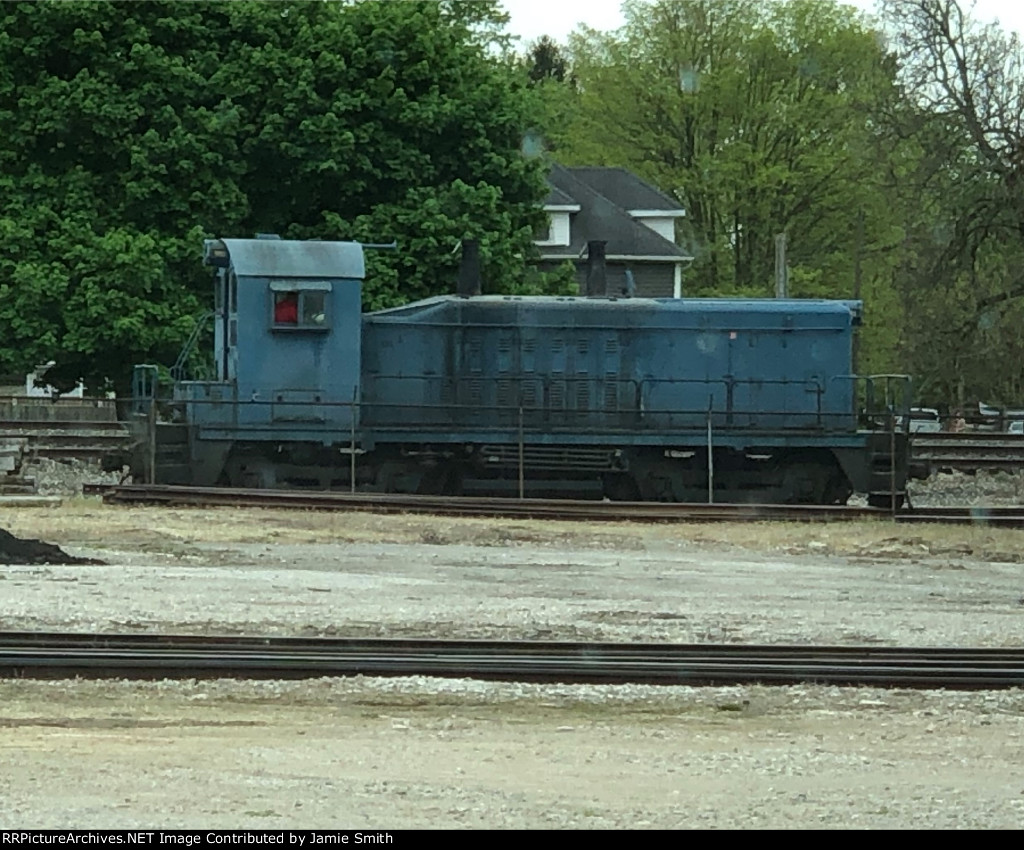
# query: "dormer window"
557,232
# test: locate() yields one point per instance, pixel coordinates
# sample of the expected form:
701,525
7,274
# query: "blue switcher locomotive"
596,396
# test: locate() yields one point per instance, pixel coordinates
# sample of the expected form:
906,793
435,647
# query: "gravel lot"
394,753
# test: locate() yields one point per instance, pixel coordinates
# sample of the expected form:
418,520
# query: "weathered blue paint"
596,364
453,367
288,372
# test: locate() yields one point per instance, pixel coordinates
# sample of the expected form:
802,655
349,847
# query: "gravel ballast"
381,754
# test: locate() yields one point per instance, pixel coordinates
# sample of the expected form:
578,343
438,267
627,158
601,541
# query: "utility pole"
857,254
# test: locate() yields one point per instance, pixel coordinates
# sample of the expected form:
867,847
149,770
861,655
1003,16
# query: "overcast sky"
533,18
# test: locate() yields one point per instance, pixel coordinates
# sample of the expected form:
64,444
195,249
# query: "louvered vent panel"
556,396
611,356
611,396
506,397
504,354
583,395
529,348
476,347
558,354
529,394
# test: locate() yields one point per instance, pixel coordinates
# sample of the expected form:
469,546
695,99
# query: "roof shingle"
601,218
625,189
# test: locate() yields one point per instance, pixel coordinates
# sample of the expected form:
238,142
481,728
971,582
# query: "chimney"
597,276
469,269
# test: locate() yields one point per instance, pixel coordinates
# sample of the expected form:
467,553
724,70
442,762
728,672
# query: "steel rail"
467,506
553,509
163,656
148,640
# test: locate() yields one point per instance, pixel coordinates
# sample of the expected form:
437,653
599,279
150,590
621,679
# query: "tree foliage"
129,131
545,61
960,276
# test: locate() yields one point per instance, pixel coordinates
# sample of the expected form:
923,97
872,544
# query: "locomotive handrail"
536,419
633,408
870,413
639,413
544,397
178,369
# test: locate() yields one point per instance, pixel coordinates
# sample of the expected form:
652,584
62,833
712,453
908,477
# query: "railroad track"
968,451
558,509
552,509
66,440
51,655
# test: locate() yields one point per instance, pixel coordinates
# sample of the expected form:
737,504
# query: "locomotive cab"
287,353
299,303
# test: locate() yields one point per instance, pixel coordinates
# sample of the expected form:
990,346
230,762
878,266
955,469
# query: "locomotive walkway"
552,509
58,655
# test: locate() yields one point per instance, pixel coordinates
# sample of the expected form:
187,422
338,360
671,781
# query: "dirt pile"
15,550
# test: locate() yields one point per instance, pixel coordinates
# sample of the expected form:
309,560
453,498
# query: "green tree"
546,62
129,131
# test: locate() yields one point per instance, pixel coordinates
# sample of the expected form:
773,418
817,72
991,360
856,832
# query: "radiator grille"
550,457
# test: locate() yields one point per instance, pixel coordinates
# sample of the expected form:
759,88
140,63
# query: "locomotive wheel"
838,490
621,487
251,473
806,483
812,478
445,479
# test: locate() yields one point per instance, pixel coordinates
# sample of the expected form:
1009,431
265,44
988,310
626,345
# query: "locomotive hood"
676,312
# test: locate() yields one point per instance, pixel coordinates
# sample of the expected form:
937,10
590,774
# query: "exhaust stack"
597,274
469,269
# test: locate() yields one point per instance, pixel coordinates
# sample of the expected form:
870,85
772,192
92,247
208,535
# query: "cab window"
286,308
299,305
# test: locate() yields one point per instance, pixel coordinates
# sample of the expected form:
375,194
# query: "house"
615,206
